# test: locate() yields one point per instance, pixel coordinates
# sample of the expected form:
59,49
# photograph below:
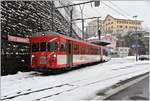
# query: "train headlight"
54,55
22,60
33,56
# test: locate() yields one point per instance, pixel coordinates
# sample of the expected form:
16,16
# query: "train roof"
48,33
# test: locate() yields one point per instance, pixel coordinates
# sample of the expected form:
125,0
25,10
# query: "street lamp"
136,38
98,29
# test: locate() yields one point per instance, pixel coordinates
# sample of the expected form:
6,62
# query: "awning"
100,42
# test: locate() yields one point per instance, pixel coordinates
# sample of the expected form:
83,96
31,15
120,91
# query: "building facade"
91,28
106,38
115,25
122,51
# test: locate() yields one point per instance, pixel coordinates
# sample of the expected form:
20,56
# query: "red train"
55,52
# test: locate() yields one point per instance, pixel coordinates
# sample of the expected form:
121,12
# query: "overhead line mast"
74,4
114,9
71,11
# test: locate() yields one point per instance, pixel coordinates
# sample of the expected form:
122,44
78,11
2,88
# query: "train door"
69,54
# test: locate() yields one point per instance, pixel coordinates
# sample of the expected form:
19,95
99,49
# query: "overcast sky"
119,8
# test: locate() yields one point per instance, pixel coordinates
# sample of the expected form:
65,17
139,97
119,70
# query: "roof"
102,37
48,33
123,17
100,42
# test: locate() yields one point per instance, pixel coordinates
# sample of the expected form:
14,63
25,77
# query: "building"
131,38
122,51
119,24
145,39
106,38
113,25
20,20
65,12
91,28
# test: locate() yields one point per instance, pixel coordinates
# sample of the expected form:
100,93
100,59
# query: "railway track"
78,87
121,86
18,93
67,87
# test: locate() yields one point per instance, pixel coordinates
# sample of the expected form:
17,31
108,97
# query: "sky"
118,8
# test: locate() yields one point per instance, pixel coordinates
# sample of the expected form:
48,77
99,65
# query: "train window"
106,52
43,46
74,48
77,49
62,46
69,47
35,47
52,46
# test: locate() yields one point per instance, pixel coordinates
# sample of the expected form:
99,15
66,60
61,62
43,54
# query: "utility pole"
52,14
83,19
71,13
83,29
81,9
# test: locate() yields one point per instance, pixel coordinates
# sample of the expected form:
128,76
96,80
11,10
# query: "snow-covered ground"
80,84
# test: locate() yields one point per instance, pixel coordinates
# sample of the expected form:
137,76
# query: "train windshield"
52,46
35,47
43,46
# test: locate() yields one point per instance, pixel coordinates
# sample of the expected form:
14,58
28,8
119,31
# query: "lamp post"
136,38
98,29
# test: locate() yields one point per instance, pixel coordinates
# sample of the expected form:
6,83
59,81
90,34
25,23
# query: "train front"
43,50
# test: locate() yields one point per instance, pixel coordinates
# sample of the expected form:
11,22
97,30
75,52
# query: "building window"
120,26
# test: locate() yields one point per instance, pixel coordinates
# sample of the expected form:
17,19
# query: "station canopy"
99,42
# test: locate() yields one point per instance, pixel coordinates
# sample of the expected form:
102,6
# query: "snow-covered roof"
94,37
102,36
147,36
124,17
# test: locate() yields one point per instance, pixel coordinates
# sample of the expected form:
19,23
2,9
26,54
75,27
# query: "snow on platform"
80,84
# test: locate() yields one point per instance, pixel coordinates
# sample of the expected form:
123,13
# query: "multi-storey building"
122,51
21,19
115,25
91,28
106,38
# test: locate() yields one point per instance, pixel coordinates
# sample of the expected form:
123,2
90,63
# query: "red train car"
55,51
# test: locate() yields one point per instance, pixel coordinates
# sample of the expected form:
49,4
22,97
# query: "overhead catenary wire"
119,8
114,9
96,11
